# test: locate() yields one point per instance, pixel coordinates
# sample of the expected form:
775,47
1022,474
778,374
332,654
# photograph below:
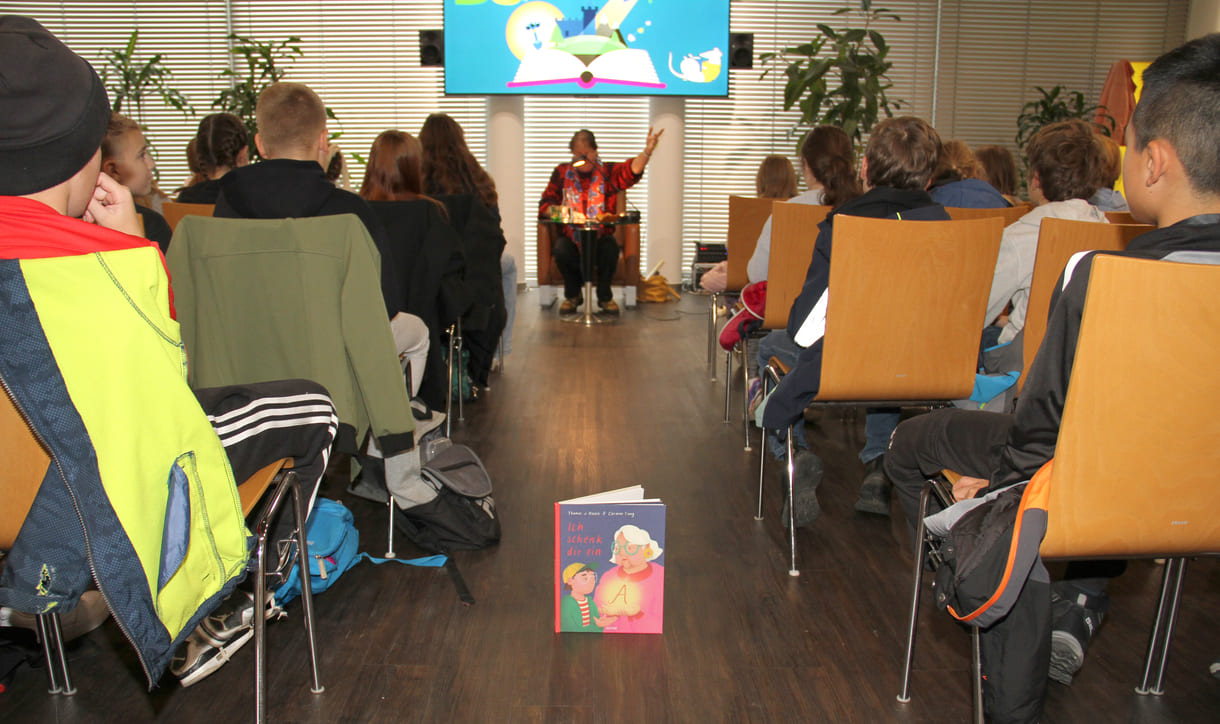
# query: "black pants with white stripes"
266,421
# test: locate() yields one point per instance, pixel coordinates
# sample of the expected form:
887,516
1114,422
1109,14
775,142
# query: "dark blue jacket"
970,193
801,384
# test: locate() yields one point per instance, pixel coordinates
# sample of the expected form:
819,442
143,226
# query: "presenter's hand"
651,144
111,207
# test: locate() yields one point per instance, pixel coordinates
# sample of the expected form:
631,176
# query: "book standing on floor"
610,563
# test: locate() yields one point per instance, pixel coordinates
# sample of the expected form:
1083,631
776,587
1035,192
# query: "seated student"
126,159
1172,176
1064,163
827,165
69,233
450,170
960,181
1107,197
291,183
898,164
220,145
427,251
830,179
999,170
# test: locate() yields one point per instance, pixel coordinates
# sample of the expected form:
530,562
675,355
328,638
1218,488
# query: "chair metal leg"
904,694
770,378
745,393
792,571
728,381
1162,629
288,482
712,316
449,388
976,671
389,546
461,398
53,651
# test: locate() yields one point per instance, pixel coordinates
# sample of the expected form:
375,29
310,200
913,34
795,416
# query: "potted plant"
265,64
839,78
130,81
1058,104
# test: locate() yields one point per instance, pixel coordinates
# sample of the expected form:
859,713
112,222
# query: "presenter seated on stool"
586,188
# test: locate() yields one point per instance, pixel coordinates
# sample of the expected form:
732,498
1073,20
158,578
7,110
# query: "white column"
665,189
506,164
1204,18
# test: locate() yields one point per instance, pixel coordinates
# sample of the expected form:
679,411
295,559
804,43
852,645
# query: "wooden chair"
747,216
26,464
1009,213
794,231
1120,217
1058,240
173,211
626,275
894,335
1134,468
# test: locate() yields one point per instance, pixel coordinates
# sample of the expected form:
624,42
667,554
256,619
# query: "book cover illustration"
610,563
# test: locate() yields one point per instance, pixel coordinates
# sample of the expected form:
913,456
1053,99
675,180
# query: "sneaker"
1075,617
755,397
1214,668
426,419
90,612
806,475
875,489
609,307
570,304
199,656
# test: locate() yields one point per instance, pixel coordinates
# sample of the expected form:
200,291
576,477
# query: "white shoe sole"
223,654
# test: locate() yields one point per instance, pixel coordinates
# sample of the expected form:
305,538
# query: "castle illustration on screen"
621,47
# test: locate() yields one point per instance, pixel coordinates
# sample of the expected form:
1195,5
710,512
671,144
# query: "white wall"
1204,18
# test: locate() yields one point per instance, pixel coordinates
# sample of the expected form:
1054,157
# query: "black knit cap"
53,109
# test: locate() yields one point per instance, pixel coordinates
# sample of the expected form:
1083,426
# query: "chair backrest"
1008,213
25,463
794,231
173,211
905,308
747,215
1120,217
1058,240
1136,459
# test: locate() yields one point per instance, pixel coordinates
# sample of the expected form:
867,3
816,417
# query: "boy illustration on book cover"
578,612
634,589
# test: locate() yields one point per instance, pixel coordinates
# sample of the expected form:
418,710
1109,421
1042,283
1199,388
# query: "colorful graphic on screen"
620,47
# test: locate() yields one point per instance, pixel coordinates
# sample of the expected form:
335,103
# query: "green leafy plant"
265,63
839,78
1058,104
131,80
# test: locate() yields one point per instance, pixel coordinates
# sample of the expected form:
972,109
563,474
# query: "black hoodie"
286,189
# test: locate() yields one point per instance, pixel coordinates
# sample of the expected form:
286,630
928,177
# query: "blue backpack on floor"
333,540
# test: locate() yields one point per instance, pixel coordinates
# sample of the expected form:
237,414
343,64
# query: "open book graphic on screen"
625,66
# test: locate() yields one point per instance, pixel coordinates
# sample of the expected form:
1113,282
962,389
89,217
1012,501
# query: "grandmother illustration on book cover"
634,589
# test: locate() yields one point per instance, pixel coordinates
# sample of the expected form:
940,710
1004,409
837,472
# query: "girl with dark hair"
830,179
220,145
451,171
395,170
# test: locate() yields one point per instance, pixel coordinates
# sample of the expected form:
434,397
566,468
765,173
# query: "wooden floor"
583,410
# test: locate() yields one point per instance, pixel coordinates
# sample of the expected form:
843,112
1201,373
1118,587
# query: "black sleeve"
156,228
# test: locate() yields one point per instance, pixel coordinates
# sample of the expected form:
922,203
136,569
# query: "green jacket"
267,299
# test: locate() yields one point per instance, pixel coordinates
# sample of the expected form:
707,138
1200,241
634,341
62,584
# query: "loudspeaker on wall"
741,50
431,47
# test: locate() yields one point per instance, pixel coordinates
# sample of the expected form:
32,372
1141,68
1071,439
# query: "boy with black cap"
91,356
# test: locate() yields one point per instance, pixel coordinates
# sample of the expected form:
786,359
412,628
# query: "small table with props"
585,234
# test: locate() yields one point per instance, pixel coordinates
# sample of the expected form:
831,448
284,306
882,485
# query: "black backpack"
462,516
